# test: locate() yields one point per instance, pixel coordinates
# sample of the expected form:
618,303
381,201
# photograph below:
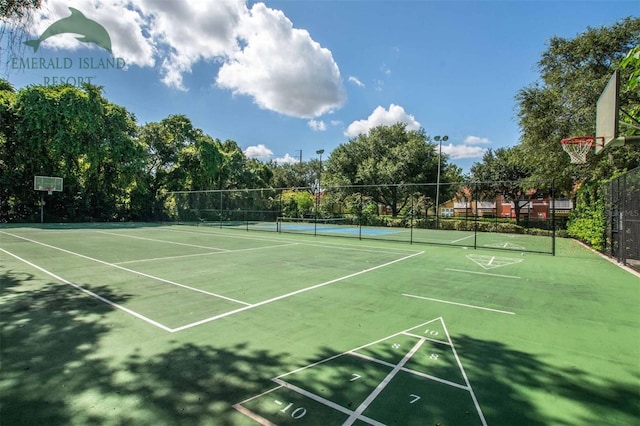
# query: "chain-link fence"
501,215
622,213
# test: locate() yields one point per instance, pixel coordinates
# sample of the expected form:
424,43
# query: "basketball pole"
41,207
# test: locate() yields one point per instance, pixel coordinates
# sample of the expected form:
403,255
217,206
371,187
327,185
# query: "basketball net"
578,147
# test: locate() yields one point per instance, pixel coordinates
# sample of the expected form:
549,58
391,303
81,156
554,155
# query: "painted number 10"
431,332
298,413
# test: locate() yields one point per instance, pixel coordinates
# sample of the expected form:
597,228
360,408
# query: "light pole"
439,140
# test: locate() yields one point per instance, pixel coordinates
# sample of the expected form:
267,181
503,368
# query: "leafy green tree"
502,172
70,132
178,157
294,175
632,63
16,17
388,157
573,74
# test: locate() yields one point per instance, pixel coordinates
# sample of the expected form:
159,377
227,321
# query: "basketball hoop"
49,190
578,147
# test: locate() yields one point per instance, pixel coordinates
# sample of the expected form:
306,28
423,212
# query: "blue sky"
280,77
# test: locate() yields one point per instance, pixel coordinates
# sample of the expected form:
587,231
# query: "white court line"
435,379
466,380
353,351
128,270
90,293
313,396
293,293
373,395
160,241
460,239
407,370
483,273
204,254
257,418
359,247
458,304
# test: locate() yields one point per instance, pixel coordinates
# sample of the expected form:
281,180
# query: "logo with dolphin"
77,23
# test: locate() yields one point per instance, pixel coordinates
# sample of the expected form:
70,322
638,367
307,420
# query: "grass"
171,325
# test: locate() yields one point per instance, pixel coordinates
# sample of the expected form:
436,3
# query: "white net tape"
577,148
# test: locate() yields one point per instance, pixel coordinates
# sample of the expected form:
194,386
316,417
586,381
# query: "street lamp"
439,140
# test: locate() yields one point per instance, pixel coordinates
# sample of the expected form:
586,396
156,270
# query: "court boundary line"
161,241
203,254
293,293
224,233
482,273
459,304
113,265
215,317
90,293
460,239
464,375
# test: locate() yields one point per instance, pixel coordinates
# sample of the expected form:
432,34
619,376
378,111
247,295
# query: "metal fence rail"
474,215
622,213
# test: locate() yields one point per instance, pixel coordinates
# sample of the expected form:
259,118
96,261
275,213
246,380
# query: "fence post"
475,223
553,218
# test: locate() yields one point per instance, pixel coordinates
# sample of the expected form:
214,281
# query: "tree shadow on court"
505,380
54,373
49,331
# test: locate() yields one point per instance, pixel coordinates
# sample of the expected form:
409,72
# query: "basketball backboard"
607,114
47,183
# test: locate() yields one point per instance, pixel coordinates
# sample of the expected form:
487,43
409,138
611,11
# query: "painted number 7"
414,398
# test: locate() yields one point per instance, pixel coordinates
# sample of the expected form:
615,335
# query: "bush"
587,221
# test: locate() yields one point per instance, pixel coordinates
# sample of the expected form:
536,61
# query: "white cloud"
457,152
282,68
473,140
286,159
318,126
123,24
258,151
336,123
381,116
356,81
261,54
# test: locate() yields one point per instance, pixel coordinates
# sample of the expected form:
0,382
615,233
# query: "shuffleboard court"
176,324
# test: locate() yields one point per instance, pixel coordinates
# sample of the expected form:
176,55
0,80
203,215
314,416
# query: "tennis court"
176,324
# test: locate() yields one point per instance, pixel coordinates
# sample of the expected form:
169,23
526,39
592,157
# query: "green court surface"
197,325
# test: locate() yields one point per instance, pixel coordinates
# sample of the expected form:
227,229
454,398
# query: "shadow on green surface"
505,382
54,372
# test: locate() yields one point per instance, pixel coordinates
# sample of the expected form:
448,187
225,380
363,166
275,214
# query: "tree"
503,172
15,20
387,158
573,74
294,175
179,157
70,132
632,63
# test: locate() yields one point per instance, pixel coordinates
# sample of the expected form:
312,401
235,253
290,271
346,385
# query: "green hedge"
587,220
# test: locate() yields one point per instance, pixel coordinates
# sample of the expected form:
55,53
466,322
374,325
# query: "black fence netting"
525,218
622,213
